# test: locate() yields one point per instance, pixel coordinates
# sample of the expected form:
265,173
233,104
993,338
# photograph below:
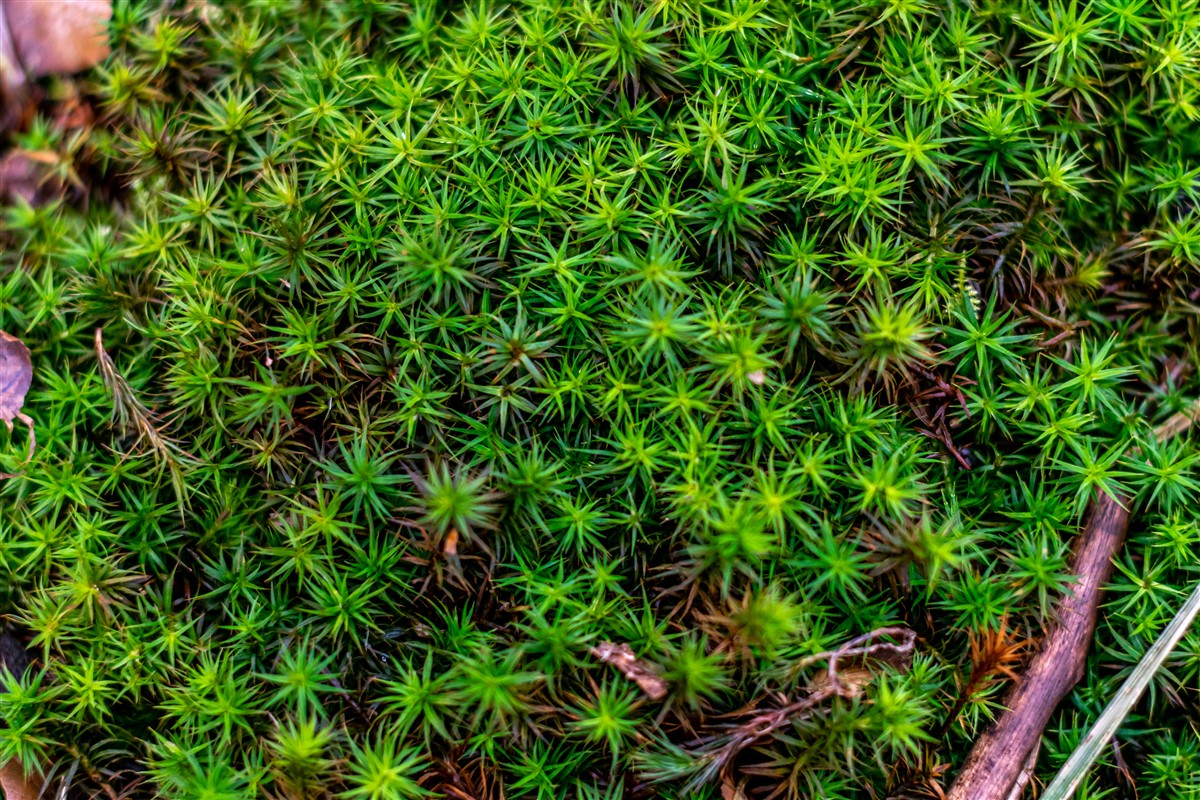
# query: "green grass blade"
1073,772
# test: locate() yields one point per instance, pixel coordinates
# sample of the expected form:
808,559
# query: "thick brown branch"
995,763
994,767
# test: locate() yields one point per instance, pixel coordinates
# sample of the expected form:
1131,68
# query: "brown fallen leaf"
58,37
29,175
13,90
16,375
14,783
643,673
46,37
731,792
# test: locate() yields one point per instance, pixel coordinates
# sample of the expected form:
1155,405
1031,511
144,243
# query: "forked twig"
834,683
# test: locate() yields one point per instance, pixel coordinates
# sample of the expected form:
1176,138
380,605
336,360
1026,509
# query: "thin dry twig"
134,417
836,681
867,645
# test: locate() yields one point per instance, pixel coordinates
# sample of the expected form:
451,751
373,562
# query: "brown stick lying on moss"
995,766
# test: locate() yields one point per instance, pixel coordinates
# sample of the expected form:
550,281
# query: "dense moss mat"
445,341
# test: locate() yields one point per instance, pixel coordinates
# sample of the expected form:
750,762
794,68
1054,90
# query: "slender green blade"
1073,772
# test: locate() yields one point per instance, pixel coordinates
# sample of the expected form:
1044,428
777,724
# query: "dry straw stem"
1080,763
134,417
995,765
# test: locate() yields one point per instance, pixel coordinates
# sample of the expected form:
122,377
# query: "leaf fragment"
644,674
16,376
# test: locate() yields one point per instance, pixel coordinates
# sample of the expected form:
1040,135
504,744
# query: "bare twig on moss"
845,676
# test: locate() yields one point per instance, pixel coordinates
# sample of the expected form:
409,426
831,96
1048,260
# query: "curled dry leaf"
643,673
731,792
16,375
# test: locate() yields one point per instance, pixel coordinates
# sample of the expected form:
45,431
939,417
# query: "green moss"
474,335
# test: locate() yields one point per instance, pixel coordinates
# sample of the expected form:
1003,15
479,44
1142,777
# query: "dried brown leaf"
46,37
731,792
29,175
16,375
58,37
15,785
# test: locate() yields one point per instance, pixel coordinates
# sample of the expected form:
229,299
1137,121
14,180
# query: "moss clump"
450,340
